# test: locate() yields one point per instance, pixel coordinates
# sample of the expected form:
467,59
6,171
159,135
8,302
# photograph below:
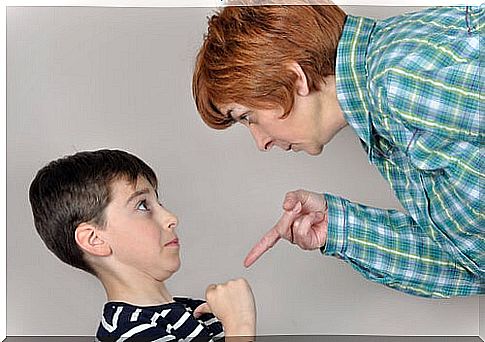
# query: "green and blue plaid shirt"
411,86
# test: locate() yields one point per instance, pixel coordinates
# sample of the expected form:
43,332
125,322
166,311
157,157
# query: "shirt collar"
351,74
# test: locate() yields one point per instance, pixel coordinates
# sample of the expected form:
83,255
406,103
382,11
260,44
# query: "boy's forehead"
123,186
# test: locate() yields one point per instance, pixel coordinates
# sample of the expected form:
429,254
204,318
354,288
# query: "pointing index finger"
266,242
272,236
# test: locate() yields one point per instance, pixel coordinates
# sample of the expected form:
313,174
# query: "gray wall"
89,78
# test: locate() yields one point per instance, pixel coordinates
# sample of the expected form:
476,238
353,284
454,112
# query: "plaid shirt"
410,87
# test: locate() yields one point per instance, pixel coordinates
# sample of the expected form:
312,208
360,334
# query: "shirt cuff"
336,226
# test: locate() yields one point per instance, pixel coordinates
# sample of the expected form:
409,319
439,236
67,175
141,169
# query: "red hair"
247,51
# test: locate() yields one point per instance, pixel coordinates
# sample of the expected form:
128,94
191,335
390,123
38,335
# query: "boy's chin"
175,267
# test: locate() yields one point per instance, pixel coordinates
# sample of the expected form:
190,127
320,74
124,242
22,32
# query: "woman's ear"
301,84
90,241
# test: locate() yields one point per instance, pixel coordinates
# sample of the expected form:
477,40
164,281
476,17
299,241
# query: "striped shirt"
160,323
410,86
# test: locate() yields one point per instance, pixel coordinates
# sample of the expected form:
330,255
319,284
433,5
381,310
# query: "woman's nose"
263,141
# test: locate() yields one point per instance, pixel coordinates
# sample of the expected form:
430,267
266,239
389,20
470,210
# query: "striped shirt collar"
351,74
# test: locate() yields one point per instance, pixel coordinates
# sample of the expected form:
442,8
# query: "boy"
99,211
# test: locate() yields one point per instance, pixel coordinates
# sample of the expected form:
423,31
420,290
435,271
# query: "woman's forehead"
232,109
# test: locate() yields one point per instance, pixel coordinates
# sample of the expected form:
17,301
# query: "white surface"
89,78
214,3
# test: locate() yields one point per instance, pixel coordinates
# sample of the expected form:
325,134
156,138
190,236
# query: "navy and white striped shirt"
160,323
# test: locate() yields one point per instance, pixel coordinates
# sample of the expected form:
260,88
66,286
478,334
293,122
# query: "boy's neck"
136,290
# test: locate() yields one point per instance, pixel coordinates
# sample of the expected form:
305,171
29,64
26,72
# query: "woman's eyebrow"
236,116
230,115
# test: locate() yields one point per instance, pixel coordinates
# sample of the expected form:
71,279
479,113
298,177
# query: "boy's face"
140,231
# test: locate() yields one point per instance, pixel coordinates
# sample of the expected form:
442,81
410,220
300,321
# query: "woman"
409,86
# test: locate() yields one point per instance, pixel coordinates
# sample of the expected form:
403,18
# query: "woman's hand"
304,223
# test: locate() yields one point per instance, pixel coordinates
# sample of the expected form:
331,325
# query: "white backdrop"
88,78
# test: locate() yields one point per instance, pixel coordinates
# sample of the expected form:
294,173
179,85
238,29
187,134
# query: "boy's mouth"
173,243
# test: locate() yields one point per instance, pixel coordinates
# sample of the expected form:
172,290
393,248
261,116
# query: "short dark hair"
76,189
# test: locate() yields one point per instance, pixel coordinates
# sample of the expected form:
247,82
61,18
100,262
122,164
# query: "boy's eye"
142,205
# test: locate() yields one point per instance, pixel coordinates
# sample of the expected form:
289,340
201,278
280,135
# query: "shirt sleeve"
387,247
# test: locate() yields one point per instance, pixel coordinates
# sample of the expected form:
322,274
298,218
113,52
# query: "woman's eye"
142,206
244,119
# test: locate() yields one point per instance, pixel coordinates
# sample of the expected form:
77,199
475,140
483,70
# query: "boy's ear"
301,84
89,240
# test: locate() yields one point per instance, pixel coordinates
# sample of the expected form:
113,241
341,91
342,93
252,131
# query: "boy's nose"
170,221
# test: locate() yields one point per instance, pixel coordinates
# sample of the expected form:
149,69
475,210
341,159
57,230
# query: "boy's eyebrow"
137,193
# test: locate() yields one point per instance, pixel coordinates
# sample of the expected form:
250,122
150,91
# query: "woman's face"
313,121
269,129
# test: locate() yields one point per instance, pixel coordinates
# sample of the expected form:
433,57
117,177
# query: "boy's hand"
233,304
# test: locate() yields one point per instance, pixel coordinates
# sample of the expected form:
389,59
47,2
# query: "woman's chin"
314,151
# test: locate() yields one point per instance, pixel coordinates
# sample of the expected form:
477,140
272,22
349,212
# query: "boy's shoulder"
190,303
174,320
